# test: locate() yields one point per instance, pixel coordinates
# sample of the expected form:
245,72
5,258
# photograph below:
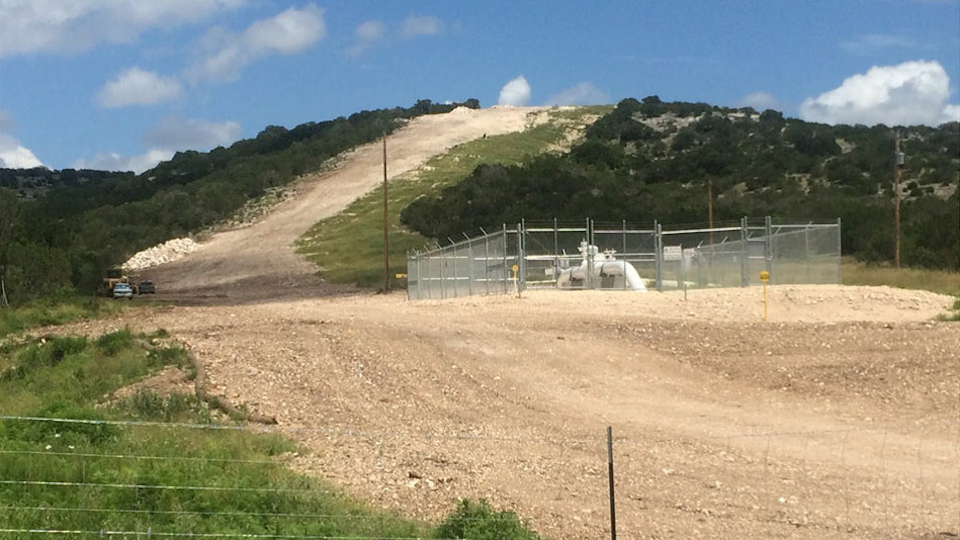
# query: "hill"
61,229
653,160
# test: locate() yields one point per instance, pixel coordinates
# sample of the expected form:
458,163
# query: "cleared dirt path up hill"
258,261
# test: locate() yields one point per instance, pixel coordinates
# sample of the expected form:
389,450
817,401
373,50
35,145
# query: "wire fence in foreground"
57,481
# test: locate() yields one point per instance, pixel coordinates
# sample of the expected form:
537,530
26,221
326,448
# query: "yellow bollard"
764,277
516,282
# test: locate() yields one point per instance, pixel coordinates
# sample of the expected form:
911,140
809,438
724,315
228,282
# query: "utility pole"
897,163
386,233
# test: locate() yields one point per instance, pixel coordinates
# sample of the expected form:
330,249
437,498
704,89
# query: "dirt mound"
167,252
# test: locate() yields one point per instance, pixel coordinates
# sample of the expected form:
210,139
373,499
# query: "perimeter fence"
823,483
588,254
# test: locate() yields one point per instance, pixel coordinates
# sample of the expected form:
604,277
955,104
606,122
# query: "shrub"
477,521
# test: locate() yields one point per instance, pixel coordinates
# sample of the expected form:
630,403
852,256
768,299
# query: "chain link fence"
588,254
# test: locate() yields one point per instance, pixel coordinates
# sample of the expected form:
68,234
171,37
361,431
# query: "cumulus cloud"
116,162
55,26
760,101
365,36
135,86
421,25
911,93
515,93
14,155
582,94
175,133
290,32
163,140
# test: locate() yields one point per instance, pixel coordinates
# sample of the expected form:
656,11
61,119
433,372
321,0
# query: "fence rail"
611,256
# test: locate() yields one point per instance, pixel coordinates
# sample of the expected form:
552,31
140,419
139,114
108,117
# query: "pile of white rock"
168,251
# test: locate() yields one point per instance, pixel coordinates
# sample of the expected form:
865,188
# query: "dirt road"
257,261
839,419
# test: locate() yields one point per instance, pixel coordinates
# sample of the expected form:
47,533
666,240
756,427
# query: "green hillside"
653,160
61,229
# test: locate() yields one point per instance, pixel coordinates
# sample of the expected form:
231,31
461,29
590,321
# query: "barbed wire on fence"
150,533
471,436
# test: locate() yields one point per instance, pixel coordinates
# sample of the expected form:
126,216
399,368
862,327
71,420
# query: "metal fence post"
839,255
486,263
470,268
768,249
520,256
658,255
744,253
623,255
556,239
506,269
443,276
589,256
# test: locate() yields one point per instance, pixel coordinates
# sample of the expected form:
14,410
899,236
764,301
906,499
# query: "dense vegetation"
110,473
61,229
653,160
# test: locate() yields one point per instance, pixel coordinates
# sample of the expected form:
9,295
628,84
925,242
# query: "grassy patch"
193,476
55,309
938,281
954,313
348,247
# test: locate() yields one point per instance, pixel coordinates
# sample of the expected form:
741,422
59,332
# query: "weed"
477,521
938,281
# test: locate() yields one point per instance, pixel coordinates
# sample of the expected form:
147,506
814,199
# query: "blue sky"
120,84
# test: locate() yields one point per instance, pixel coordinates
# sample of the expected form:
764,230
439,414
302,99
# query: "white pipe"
602,267
622,268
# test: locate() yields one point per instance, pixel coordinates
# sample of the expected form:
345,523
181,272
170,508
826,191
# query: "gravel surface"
837,419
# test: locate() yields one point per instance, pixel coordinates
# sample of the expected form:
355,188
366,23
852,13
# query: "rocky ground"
837,419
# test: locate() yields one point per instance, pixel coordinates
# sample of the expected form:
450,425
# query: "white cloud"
911,93
175,133
6,120
869,42
515,93
290,32
951,113
365,36
14,155
56,26
760,101
116,162
135,86
582,94
421,25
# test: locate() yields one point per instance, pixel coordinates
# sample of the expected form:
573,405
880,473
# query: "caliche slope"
258,261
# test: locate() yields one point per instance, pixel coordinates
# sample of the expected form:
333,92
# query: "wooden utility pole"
386,233
897,162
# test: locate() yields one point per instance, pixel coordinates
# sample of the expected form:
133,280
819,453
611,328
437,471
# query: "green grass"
938,281
954,314
348,247
73,377
55,309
